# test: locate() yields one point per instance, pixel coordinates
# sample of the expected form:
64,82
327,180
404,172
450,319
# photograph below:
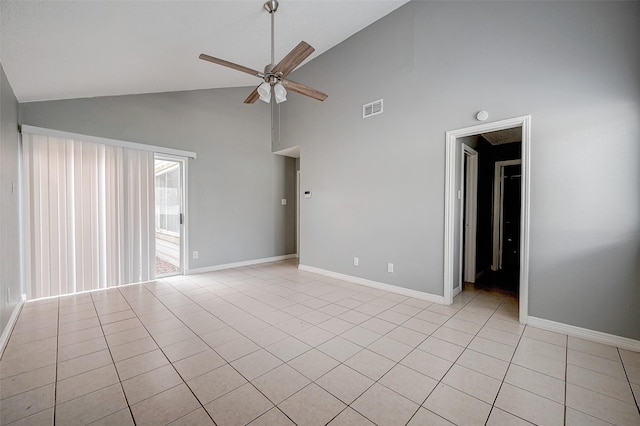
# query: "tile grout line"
38,368
126,400
390,308
566,382
286,362
566,407
600,373
312,347
396,363
93,369
467,348
485,325
633,395
54,363
227,362
493,405
250,288
163,353
416,347
210,347
452,363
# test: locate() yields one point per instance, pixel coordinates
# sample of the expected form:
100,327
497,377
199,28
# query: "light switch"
284,201
307,194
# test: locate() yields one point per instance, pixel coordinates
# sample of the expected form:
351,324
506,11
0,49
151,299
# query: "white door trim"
451,199
498,210
470,192
298,213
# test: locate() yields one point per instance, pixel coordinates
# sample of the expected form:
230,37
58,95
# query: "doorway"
169,215
499,212
457,203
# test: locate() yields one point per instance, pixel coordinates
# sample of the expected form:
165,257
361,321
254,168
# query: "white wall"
10,286
378,183
235,185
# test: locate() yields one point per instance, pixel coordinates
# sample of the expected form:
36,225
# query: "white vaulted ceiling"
72,49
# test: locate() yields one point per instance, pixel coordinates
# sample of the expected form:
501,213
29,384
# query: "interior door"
511,217
513,168
470,214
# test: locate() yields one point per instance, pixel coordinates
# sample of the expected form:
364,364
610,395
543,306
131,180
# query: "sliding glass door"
169,200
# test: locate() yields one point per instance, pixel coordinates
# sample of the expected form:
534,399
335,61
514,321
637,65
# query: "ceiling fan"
274,75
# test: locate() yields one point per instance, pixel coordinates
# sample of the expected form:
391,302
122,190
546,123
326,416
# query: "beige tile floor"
270,345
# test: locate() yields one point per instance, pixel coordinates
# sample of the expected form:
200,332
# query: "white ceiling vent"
372,108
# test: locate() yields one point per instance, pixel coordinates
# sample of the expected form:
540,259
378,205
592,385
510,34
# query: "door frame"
298,213
470,191
183,164
498,210
451,191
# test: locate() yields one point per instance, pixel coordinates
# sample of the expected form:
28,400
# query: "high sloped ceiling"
71,49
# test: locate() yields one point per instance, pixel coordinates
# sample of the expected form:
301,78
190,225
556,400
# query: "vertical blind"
90,215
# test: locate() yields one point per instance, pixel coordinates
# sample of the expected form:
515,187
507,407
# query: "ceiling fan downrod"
271,6
272,79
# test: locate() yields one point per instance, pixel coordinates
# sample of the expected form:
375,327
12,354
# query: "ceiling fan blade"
254,96
230,65
304,90
293,58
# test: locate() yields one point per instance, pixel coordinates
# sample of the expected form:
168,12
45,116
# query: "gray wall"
235,185
10,286
378,183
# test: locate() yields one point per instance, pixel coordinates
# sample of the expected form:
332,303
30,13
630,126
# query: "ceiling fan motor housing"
270,77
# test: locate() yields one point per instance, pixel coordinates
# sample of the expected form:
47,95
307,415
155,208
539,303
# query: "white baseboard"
585,333
4,337
375,284
239,264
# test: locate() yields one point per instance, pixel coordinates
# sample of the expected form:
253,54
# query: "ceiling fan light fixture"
279,92
264,90
275,74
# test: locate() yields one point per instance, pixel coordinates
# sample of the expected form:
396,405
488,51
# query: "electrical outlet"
195,254
390,267
356,261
